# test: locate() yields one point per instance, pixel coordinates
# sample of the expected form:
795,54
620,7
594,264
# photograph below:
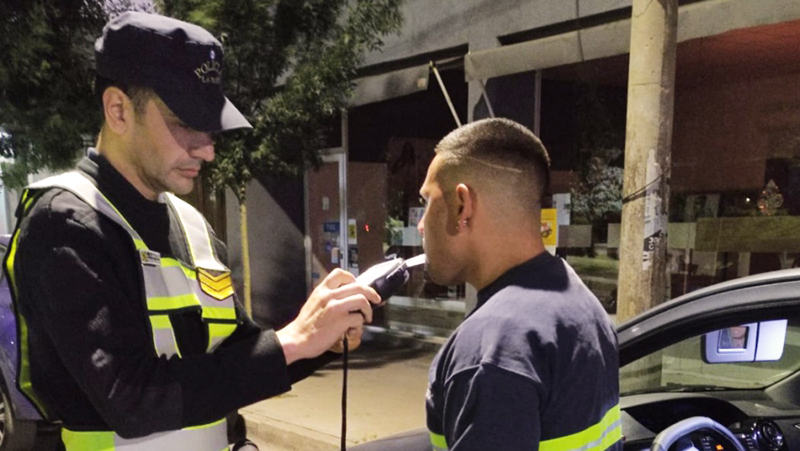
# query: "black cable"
642,191
344,395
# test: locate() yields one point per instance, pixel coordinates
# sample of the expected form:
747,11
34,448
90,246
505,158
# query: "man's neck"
495,257
114,152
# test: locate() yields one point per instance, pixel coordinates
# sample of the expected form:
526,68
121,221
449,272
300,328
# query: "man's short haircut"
139,95
502,153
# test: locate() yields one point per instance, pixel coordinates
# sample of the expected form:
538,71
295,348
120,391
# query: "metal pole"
446,95
486,98
343,226
537,104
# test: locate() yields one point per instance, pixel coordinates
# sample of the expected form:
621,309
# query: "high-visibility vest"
169,286
597,437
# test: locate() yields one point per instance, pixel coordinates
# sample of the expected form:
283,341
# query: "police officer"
129,328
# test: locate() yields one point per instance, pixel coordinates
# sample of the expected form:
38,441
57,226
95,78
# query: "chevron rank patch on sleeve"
217,284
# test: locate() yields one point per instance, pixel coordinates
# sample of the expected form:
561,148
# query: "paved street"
386,392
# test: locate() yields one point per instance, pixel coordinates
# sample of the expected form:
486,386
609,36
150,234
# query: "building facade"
560,68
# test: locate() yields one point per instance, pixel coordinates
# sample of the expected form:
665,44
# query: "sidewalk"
387,379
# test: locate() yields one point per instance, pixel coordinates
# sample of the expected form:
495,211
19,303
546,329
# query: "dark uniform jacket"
92,362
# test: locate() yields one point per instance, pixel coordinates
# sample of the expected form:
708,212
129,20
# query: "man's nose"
203,147
421,226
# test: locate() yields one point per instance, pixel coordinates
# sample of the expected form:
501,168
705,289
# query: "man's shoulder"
56,200
498,338
56,209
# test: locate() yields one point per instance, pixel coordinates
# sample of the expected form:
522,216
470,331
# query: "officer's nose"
203,147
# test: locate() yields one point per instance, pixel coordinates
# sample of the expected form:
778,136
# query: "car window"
680,367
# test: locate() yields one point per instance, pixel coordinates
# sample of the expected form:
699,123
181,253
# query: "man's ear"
465,202
118,110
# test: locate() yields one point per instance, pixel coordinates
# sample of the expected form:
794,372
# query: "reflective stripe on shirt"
210,437
438,442
597,437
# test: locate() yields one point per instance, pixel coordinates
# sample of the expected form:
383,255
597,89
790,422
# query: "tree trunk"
248,303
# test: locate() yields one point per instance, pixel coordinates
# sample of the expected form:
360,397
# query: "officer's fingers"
338,347
354,337
352,306
357,319
354,289
355,333
337,278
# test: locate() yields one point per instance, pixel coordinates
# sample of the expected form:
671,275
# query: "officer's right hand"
336,305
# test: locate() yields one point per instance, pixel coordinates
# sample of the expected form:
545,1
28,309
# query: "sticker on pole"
653,217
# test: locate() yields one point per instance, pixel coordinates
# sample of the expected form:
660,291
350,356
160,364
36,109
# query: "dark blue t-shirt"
535,361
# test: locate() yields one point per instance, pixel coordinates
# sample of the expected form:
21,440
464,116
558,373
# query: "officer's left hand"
353,340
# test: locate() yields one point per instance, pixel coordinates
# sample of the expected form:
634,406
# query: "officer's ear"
118,110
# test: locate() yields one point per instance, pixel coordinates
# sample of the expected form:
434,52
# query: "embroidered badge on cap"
150,258
217,284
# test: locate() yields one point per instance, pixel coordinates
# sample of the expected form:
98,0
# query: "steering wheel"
683,428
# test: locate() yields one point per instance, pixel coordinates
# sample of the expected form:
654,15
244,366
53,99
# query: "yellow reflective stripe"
24,369
197,234
203,426
438,441
612,436
218,332
11,254
212,313
162,324
137,242
89,441
167,262
195,437
140,246
162,303
597,437
27,200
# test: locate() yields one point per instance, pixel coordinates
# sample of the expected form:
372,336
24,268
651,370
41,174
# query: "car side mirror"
753,342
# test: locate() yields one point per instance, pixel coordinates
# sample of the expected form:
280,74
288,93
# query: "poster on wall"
549,229
352,231
415,216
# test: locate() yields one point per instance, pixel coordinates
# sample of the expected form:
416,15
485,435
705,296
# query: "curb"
397,338
281,436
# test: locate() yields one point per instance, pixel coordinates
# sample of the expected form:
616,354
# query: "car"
21,426
717,369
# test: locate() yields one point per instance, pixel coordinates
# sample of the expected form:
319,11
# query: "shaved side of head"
499,159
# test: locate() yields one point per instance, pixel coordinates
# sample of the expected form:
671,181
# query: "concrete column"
651,85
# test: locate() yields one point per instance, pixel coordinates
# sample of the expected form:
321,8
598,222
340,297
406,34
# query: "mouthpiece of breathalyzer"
387,277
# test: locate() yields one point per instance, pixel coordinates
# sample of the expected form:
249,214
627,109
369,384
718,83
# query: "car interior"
733,387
